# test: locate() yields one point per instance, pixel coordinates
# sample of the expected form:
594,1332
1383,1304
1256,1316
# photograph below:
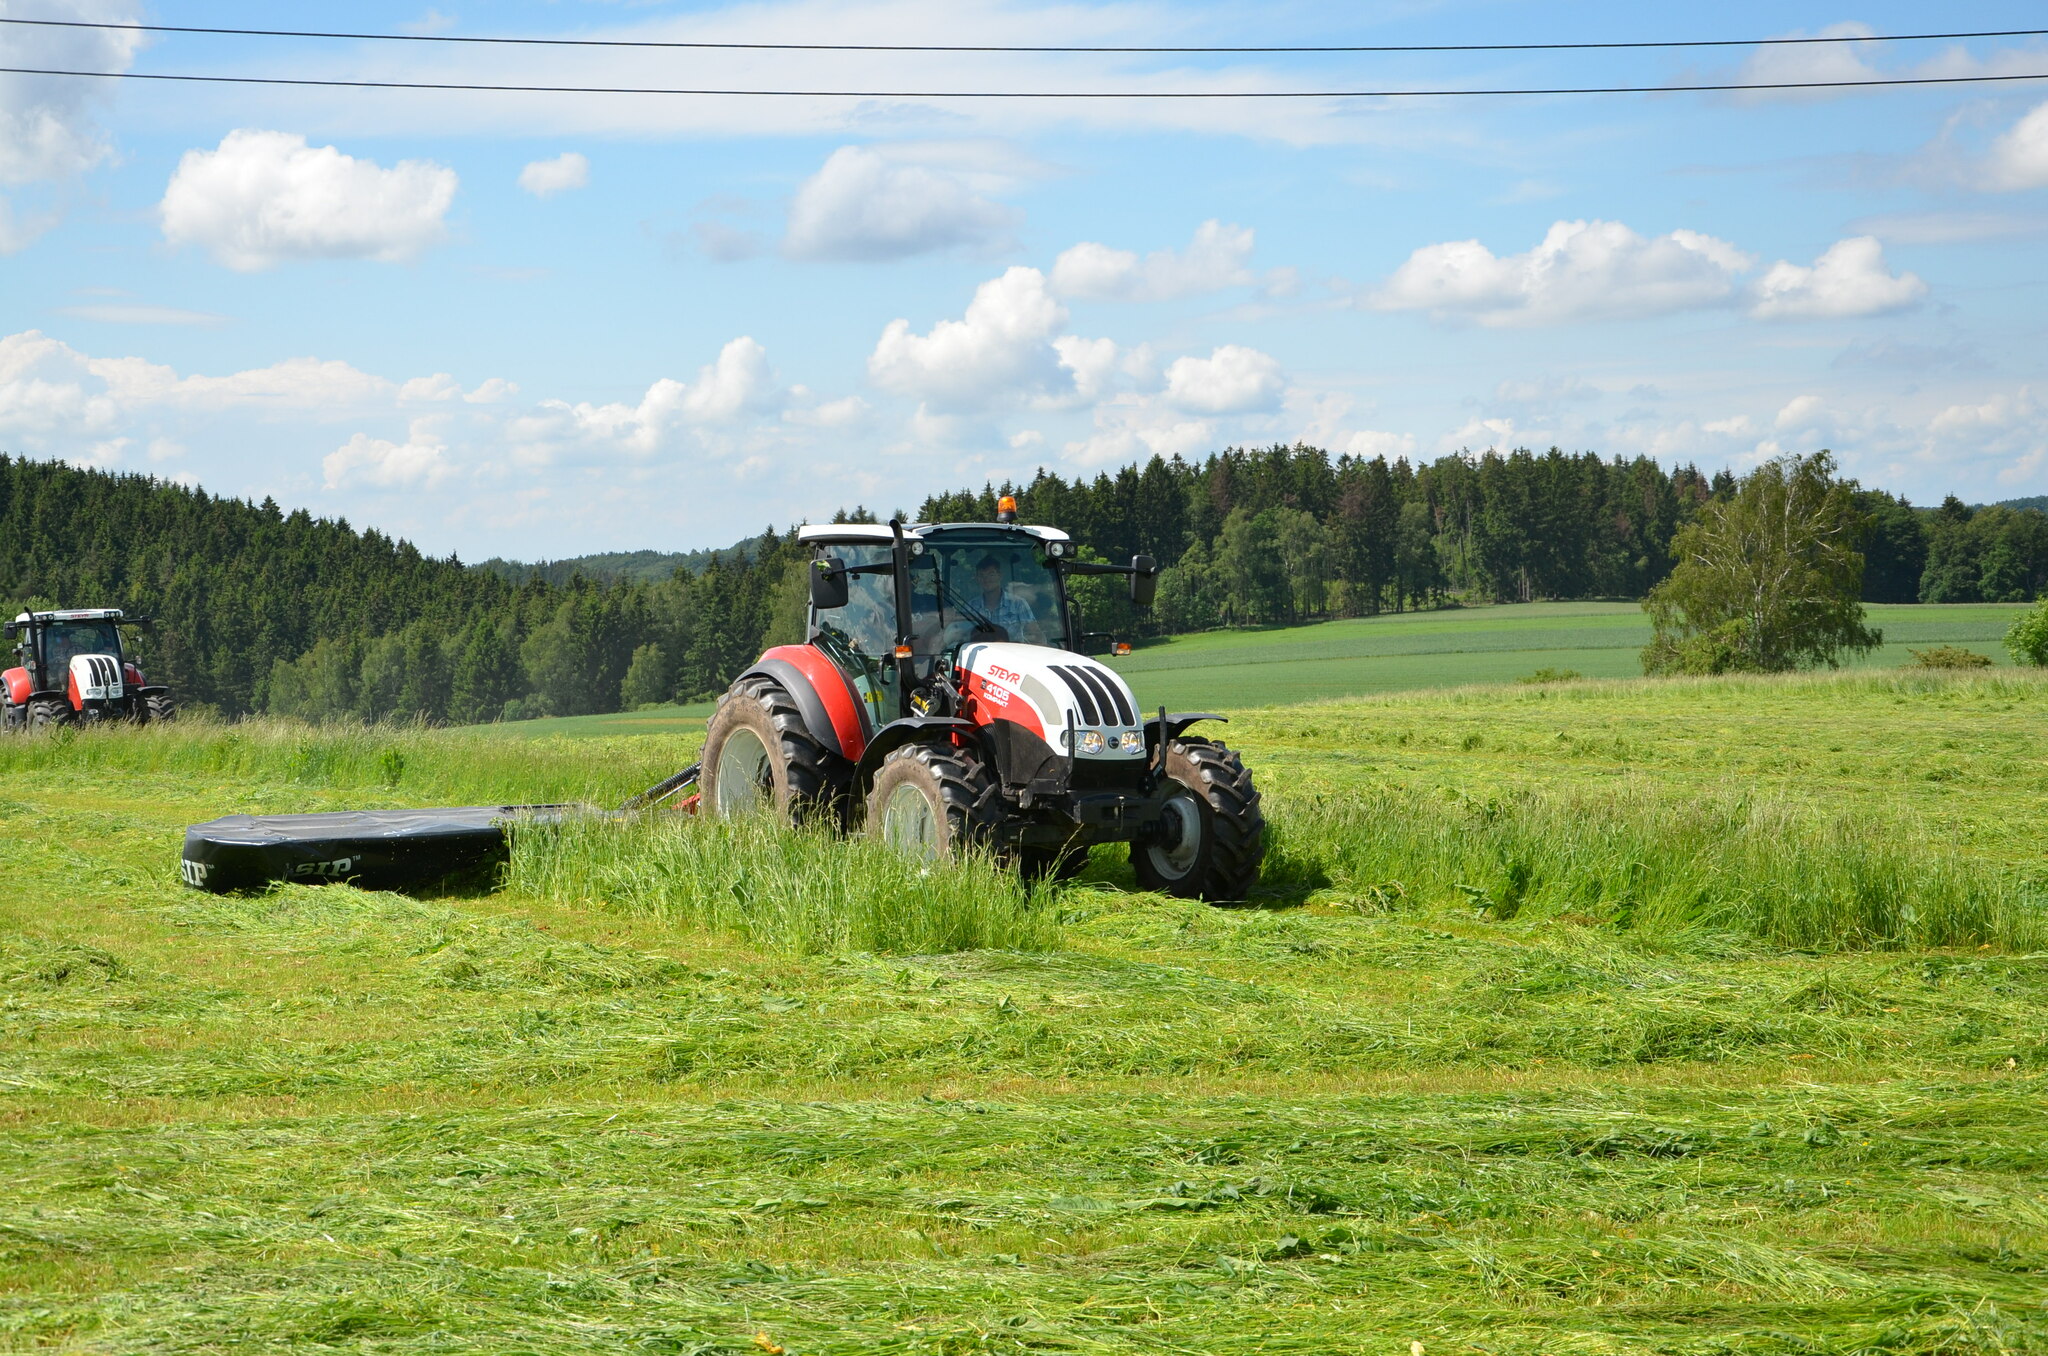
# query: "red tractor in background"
940,704
74,668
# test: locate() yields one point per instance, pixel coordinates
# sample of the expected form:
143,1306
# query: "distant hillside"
236,586
610,567
2038,501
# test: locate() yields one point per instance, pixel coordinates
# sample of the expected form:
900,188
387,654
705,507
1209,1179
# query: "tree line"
263,610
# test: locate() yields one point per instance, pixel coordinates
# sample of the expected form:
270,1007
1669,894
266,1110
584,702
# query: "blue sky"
543,325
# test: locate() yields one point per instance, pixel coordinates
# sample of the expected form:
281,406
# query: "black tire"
12,717
159,706
757,754
934,801
50,713
1217,835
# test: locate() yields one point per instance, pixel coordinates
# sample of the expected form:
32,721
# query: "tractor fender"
1176,723
909,730
17,686
831,712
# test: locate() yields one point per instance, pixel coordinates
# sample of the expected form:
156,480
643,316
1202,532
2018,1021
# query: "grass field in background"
1232,670
1417,650
1698,1016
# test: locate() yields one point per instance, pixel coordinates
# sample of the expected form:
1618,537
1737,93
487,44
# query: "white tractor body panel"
96,677
1049,691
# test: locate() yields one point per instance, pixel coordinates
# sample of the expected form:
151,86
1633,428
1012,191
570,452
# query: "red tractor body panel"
834,693
132,675
17,686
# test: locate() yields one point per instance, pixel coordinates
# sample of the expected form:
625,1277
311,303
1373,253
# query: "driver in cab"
1000,606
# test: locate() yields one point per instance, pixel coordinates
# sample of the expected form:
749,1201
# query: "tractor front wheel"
1215,834
758,754
50,713
160,706
933,801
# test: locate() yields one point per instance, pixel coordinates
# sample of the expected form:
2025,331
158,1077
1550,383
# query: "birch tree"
1766,580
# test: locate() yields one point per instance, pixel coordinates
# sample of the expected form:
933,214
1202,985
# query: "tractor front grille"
1101,701
103,672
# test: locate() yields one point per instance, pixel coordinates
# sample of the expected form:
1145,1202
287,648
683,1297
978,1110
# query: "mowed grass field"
1232,670
1687,1016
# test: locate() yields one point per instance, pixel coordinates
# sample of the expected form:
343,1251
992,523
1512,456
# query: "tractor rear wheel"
933,801
160,706
1215,834
758,754
50,713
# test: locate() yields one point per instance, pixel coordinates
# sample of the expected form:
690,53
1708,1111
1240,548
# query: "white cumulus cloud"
1850,279
545,178
1231,380
1808,62
739,383
47,129
1002,347
264,197
1581,270
1218,257
862,206
420,462
2019,158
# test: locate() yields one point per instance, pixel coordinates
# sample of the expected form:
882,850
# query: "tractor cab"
73,666
965,584
943,703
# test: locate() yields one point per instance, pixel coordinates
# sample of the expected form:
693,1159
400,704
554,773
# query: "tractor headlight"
1130,741
1091,741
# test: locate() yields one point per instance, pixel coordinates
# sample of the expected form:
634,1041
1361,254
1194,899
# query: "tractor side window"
868,621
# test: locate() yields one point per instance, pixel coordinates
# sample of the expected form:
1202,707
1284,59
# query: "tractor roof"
75,614
879,532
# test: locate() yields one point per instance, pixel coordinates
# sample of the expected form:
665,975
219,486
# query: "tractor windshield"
65,639
970,585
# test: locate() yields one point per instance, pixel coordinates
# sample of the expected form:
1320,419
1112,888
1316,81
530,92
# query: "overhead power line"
991,47
1022,94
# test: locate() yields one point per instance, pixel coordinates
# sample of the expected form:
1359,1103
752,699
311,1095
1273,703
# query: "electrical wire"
945,47
1023,94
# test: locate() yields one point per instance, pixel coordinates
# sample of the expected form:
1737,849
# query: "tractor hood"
1047,691
95,678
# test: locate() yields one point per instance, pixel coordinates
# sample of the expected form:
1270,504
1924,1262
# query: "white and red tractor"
72,668
941,704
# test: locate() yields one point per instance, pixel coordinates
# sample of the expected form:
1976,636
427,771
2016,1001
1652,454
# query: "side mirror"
1144,580
828,583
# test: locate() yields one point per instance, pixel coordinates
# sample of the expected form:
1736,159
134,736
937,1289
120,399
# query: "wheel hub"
1179,845
908,824
745,780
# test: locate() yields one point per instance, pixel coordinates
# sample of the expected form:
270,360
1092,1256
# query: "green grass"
1228,670
1697,1016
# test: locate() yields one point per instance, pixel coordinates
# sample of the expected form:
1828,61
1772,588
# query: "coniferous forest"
263,610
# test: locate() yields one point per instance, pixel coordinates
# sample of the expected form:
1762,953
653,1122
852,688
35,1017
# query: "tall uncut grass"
1655,859
1659,864
387,763
799,892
